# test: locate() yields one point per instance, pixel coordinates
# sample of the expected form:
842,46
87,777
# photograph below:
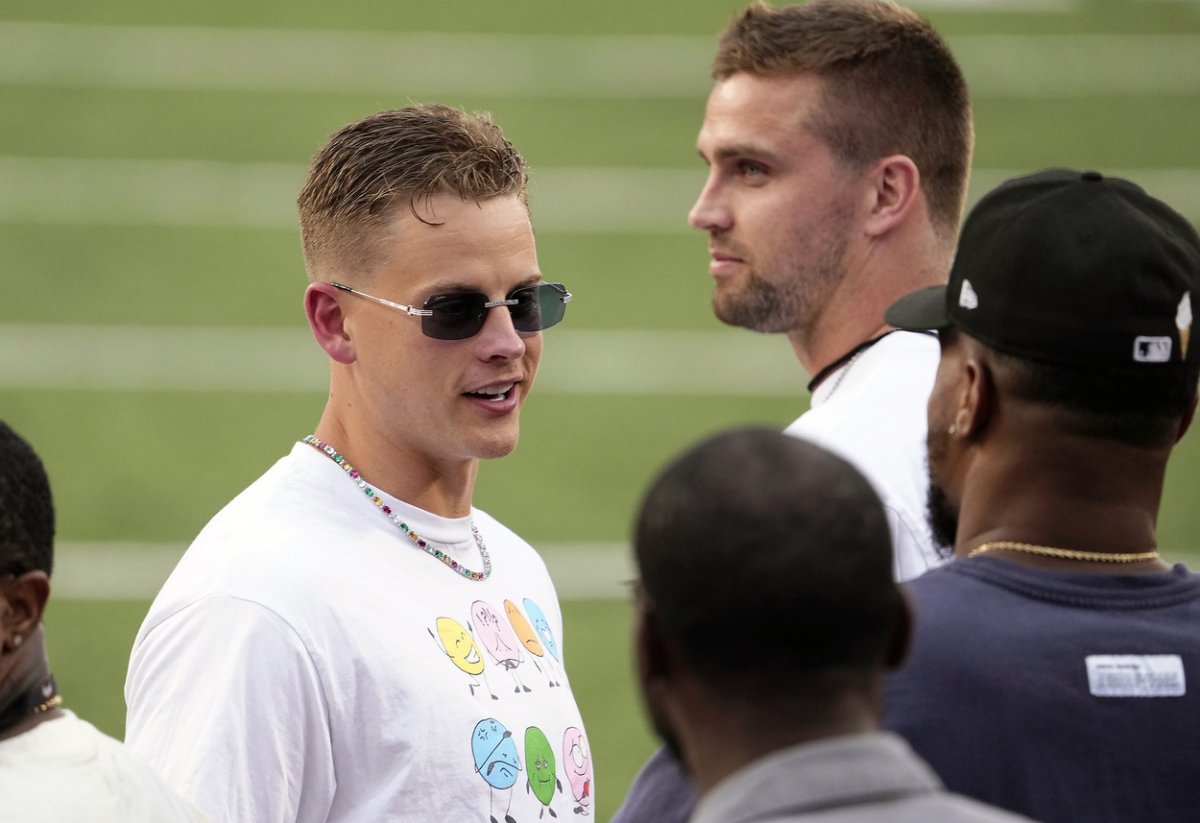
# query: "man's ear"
901,640
974,412
22,603
895,189
327,322
652,658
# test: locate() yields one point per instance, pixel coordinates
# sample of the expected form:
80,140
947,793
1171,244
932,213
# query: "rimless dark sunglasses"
460,315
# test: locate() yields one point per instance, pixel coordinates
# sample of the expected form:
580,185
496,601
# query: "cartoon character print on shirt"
542,626
529,639
457,644
498,638
496,761
577,763
541,774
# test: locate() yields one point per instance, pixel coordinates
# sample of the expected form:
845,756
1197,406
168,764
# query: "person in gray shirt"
767,687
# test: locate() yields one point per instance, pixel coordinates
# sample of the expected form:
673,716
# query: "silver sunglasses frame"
413,311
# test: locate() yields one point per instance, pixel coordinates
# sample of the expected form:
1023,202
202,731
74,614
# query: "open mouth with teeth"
493,393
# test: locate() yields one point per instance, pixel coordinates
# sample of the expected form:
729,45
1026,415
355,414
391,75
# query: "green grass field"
150,153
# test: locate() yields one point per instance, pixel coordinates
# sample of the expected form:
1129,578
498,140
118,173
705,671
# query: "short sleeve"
225,702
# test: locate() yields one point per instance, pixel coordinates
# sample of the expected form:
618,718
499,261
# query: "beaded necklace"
334,455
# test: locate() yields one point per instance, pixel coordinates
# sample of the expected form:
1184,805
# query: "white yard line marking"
75,191
135,571
72,191
403,64
100,570
577,361
357,62
1083,65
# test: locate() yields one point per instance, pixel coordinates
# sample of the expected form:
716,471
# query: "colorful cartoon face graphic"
578,765
496,635
542,626
523,629
495,753
539,760
459,646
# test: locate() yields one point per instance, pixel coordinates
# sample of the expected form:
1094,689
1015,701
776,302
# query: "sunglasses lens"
459,316
538,307
455,316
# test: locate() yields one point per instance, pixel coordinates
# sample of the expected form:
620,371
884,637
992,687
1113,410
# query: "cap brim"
919,310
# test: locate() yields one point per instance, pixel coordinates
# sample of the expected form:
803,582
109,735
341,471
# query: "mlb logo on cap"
1152,349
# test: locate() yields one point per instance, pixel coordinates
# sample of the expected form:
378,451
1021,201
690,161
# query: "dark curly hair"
26,508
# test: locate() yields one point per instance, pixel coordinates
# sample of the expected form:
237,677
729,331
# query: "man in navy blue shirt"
1053,657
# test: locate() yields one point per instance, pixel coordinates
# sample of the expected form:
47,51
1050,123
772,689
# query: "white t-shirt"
306,662
871,412
66,771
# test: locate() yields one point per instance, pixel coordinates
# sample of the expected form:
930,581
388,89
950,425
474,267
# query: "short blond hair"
396,158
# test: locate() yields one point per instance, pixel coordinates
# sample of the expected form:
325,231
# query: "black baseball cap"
1073,268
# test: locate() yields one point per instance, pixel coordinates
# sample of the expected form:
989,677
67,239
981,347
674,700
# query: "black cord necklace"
850,355
843,360
41,698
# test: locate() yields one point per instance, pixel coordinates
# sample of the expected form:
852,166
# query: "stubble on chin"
788,296
758,306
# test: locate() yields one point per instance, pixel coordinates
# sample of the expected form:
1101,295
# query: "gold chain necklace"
1065,554
37,700
52,703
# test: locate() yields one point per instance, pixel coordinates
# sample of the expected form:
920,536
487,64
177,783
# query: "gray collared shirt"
860,778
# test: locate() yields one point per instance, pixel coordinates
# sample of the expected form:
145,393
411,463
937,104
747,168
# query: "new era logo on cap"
967,298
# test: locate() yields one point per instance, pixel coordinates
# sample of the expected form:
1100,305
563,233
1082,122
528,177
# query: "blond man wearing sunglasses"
351,639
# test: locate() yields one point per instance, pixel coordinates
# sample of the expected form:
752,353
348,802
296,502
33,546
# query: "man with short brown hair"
838,138
351,639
